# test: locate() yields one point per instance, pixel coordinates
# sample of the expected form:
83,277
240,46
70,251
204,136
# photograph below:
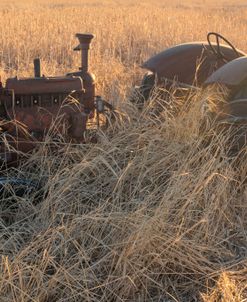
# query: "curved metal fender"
233,73
189,63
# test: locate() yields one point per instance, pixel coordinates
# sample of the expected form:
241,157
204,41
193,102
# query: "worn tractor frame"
31,107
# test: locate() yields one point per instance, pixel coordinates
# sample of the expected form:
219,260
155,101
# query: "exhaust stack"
37,68
85,41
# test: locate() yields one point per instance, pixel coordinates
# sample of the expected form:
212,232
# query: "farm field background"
146,214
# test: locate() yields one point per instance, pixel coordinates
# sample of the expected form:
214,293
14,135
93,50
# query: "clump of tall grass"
156,211
149,213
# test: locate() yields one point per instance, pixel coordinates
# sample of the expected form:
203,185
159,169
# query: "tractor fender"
231,74
189,63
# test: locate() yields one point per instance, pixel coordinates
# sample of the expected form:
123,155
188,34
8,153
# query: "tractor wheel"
143,92
147,85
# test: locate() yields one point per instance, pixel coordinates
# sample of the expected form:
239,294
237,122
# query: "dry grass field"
147,214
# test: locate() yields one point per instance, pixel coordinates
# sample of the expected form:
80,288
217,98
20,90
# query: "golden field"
147,214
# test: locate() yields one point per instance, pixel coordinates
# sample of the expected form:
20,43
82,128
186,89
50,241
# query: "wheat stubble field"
146,214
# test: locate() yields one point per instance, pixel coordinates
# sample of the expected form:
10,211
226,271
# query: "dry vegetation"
150,213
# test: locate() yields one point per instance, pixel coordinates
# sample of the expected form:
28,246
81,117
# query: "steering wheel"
216,50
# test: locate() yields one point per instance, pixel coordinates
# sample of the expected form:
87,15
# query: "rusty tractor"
30,107
204,65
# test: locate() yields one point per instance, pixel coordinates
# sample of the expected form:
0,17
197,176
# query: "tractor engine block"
39,103
31,108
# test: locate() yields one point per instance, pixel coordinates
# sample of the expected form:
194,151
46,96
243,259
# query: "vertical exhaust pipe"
37,68
85,41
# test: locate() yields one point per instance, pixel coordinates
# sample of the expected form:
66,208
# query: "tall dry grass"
155,211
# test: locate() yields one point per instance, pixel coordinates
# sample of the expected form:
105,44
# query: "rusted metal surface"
31,107
88,77
25,127
231,113
85,40
38,120
232,74
44,85
37,67
189,63
204,64
231,117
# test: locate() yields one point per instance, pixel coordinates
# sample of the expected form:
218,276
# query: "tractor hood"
233,73
45,85
181,62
